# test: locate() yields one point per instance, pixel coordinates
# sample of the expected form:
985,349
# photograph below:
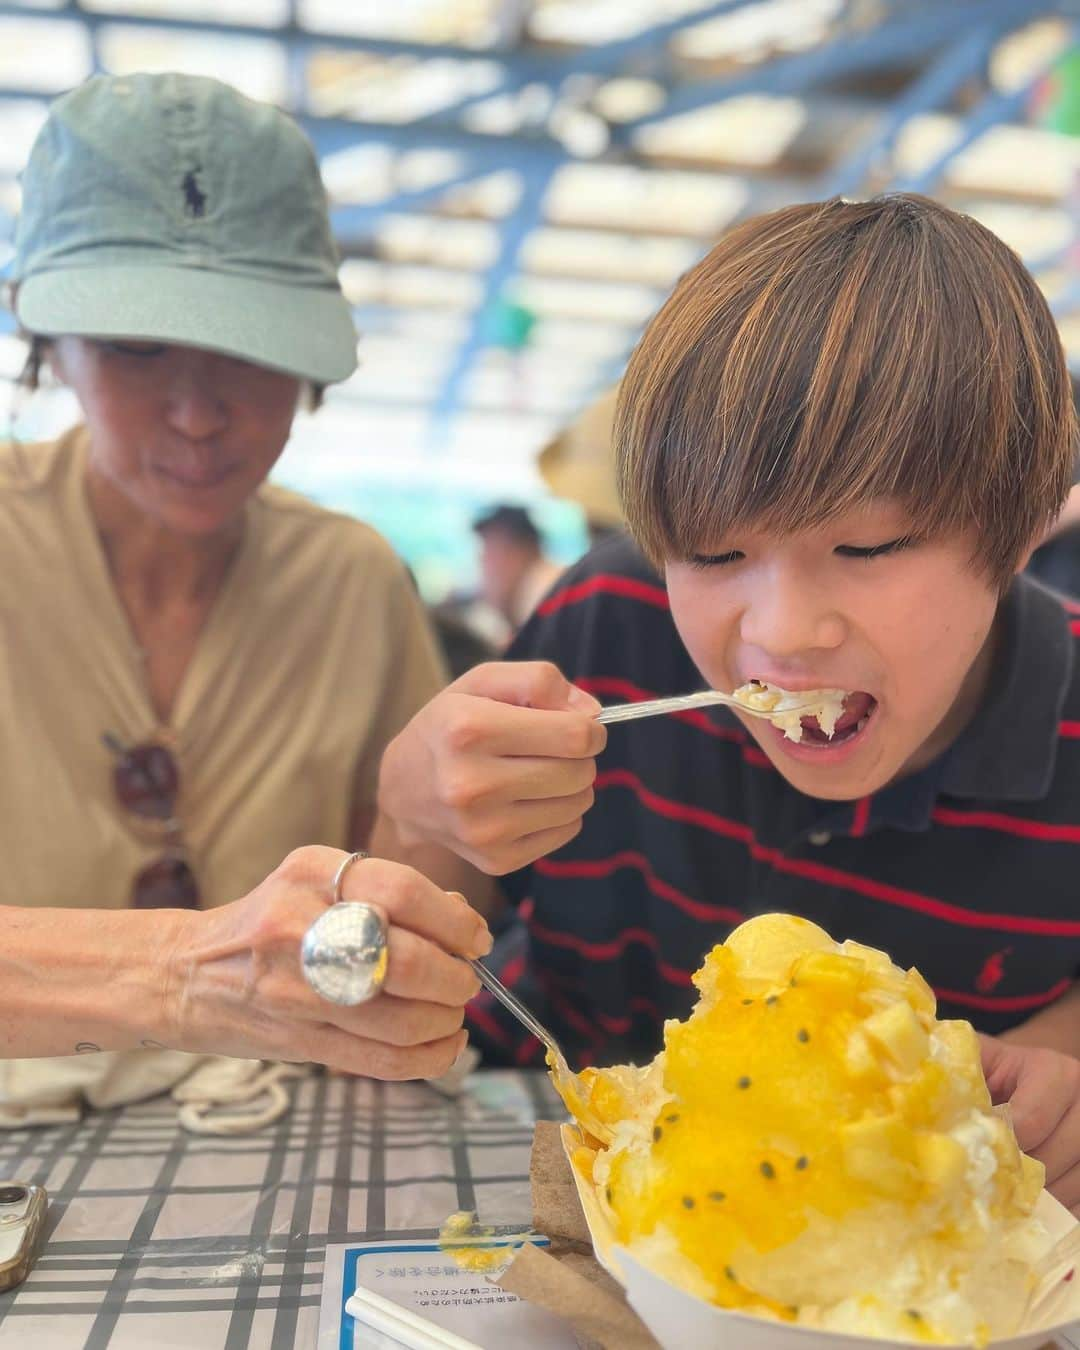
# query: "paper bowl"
679,1319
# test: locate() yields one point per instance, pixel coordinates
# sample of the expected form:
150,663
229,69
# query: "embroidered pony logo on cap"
194,197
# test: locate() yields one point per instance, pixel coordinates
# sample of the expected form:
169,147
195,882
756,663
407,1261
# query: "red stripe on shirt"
861,818
612,949
922,904
513,971
605,584
603,867
1003,824
576,1019
1069,729
619,1026
834,876
663,806
1004,1002
528,1051
1074,627
480,1017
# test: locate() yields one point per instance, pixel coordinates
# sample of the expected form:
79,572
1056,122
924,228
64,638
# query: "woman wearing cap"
199,671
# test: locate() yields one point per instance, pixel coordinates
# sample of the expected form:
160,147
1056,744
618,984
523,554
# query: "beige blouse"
315,655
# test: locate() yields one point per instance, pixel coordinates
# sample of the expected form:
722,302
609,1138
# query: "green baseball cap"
170,208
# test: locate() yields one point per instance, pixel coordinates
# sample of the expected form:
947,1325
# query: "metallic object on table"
22,1228
705,698
344,952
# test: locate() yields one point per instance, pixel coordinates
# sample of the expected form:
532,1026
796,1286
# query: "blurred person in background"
515,573
199,671
579,465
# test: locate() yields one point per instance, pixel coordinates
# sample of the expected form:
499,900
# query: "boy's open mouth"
859,707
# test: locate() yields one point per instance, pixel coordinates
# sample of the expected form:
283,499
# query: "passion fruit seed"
914,1314
657,1132
746,1002
672,1118
688,1202
768,1171
802,1035
607,1194
801,1164
773,998
718,1196
743,1083
729,1272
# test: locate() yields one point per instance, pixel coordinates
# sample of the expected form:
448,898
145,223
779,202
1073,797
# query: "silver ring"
344,953
339,875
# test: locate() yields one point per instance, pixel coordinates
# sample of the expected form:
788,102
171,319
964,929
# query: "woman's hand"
233,983
498,768
1042,1088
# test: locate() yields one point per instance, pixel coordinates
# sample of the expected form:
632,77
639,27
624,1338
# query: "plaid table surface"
161,1238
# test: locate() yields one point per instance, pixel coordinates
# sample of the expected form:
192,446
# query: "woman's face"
185,435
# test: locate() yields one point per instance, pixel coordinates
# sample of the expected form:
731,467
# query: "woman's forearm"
80,980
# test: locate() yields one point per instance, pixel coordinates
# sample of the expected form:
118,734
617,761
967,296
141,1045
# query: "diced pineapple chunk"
900,1034
877,1151
920,995
859,1057
842,975
941,1160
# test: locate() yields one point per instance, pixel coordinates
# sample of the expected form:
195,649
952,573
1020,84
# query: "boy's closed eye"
705,560
874,550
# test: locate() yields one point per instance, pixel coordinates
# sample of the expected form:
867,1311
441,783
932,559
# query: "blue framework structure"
929,51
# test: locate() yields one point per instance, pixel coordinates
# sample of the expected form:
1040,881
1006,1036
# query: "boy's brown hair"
828,355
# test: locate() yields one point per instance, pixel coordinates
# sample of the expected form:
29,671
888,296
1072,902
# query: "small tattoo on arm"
87,1048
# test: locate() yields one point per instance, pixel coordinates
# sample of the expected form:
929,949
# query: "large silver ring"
339,875
344,952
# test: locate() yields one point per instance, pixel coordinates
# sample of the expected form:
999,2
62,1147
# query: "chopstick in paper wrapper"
679,1319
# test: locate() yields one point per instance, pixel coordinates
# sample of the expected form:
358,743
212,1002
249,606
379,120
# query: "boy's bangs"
832,356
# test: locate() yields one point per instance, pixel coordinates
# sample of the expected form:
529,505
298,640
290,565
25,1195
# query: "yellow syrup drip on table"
467,1243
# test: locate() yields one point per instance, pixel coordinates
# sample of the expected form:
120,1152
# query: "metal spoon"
706,698
566,1081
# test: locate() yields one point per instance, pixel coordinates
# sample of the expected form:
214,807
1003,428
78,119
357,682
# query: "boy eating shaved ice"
837,443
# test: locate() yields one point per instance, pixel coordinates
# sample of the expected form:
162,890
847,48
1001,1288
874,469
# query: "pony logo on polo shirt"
194,197
992,972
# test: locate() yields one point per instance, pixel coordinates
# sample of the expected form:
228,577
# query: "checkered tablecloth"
183,1242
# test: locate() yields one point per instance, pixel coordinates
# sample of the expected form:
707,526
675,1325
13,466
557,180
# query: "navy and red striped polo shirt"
969,869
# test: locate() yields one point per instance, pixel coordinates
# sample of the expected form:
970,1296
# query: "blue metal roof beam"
997,108
603,59
515,231
886,46
533,65
354,220
937,84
